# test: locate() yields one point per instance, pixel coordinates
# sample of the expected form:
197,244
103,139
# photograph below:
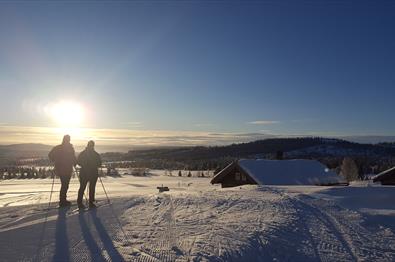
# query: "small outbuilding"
386,177
277,172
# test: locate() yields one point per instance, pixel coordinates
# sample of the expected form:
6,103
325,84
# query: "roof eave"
218,177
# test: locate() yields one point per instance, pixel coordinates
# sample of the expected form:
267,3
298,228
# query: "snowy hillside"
196,221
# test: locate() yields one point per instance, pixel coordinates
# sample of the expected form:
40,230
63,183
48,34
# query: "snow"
197,221
289,172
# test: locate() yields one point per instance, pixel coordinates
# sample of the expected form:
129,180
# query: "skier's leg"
92,187
65,180
83,182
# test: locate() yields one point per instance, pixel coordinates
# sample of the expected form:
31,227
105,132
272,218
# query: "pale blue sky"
239,67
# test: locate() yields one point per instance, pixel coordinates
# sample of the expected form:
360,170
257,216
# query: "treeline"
329,151
369,158
168,164
19,172
32,172
365,165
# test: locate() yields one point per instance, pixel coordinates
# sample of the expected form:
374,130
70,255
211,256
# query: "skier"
63,156
89,160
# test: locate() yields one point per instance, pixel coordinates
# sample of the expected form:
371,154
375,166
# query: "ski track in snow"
244,225
193,224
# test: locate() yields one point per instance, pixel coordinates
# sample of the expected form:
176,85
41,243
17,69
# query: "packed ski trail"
251,225
63,235
193,222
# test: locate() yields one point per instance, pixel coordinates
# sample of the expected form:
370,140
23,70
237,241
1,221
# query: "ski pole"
39,247
104,189
50,196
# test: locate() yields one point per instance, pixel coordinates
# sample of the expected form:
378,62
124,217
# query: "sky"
195,72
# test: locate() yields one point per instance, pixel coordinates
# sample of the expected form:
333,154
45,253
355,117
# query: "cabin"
386,177
276,172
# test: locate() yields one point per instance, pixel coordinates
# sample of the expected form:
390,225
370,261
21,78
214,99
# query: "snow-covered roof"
289,172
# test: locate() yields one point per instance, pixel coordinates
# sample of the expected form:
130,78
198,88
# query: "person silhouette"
90,161
63,156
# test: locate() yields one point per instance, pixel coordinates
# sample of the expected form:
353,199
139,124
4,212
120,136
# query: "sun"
67,114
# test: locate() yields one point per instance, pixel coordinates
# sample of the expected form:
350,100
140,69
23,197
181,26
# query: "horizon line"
10,135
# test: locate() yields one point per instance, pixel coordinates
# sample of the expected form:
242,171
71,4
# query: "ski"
87,209
72,208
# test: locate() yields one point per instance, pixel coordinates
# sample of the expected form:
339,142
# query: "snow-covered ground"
196,221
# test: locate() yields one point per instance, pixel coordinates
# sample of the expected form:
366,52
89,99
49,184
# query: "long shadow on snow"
94,249
61,239
105,238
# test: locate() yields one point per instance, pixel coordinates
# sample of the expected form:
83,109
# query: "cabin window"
243,177
237,176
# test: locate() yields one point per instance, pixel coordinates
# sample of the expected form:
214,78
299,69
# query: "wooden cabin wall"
388,181
230,179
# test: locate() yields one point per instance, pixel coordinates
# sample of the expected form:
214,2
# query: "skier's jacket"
89,160
63,156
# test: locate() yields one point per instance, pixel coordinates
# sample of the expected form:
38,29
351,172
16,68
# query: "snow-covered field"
196,221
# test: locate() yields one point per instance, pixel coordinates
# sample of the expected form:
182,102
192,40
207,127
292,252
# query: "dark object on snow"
112,172
386,177
63,156
90,161
163,188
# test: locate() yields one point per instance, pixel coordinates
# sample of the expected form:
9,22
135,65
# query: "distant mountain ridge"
201,156
25,147
298,145
292,147
10,153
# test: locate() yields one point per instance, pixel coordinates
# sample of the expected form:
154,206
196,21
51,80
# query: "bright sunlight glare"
67,114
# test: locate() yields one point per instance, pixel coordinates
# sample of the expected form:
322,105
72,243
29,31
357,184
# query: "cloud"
127,138
134,124
124,137
263,122
203,125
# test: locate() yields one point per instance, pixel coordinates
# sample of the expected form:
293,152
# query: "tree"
349,169
279,155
